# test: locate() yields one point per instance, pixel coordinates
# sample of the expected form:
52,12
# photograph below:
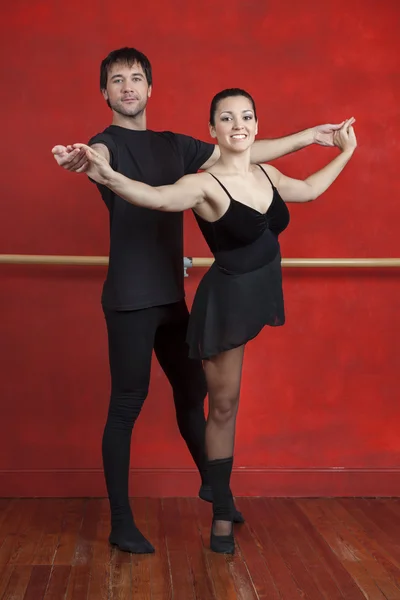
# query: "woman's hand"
345,138
99,168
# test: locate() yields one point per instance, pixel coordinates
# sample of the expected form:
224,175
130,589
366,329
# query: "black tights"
132,335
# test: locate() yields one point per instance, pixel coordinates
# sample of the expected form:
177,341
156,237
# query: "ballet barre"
315,262
189,262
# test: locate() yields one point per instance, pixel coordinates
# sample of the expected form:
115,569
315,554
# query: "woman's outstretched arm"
295,190
186,193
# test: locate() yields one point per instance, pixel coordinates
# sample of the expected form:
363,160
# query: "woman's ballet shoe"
205,493
223,544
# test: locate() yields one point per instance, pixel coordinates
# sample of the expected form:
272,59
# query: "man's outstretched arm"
75,159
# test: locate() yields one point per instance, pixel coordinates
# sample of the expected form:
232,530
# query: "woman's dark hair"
228,93
129,56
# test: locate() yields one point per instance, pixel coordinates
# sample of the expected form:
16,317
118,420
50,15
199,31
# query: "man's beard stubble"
125,112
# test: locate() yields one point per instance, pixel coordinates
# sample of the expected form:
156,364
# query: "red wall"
319,411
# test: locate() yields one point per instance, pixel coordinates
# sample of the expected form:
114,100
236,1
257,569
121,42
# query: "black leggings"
132,335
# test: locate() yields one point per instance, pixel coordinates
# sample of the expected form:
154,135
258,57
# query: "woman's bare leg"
223,373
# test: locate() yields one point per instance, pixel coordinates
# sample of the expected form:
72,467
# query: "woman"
241,211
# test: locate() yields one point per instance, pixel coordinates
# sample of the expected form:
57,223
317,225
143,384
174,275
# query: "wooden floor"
288,549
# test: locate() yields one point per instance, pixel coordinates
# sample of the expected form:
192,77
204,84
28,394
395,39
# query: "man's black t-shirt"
146,246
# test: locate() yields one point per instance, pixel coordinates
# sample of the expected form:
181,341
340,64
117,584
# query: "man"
143,295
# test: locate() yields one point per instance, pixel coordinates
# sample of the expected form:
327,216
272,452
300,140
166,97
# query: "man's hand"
97,168
71,159
324,134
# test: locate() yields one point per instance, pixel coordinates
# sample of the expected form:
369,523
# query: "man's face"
127,89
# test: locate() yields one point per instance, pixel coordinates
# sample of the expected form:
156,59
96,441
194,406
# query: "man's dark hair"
129,56
228,93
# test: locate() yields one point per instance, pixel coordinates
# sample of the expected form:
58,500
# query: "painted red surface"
319,411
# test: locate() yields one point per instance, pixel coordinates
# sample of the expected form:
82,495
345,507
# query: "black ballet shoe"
223,544
131,541
205,493
237,516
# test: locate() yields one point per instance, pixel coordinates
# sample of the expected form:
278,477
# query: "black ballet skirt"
242,291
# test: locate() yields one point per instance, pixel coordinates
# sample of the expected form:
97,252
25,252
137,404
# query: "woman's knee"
223,408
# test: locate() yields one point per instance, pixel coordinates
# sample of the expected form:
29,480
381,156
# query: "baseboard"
246,481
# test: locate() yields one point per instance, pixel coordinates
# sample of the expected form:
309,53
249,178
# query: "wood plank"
93,549
160,576
310,556
370,557
335,536
196,553
33,544
218,564
7,548
390,550
391,506
9,507
78,583
371,545
58,583
339,574
11,518
46,550
284,540
182,583
280,571
87,535
102,550
28,508
48,520
38,582
17,583
18,548
331,549
121,580
244,585
386,520
253,558
100,582
5,574
140,563
29,533
70,528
